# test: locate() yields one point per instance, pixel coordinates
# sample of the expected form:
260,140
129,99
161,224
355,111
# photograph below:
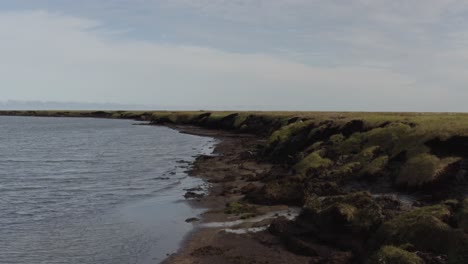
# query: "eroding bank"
339,167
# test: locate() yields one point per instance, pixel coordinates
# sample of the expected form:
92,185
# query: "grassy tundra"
344,169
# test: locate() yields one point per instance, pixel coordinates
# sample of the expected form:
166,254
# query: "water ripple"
92,190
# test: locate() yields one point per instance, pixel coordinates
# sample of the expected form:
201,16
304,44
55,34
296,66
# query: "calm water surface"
77,190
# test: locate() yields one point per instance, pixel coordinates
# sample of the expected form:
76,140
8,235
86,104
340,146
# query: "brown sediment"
336,225
232,170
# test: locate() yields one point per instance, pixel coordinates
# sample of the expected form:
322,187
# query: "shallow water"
237,226
289,214
79,190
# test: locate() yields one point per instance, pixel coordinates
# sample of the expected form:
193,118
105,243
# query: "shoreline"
371,186
220,237
276,239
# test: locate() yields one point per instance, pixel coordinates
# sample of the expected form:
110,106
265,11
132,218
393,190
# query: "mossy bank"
375,187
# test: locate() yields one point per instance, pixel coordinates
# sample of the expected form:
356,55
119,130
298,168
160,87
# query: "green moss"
130,114
375,167
239,121
425,228
346,170
238,208
248,215
367,153
163,116
410,227
389,140
234,208
422,169
283,134
314,147
337,138
356,212
352,144
394,255
392,138
116,115
182,118
214,120
312,161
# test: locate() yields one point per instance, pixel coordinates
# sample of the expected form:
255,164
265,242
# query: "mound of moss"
423,169
427,229
312,161
284,133
394,255
356,213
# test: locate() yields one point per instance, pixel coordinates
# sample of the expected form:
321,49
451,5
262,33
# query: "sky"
315,55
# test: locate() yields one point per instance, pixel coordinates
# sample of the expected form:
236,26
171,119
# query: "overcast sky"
368,55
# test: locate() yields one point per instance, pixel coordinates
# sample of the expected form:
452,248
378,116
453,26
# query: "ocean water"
82,190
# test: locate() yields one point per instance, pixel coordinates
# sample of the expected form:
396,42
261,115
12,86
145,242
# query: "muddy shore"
237,228
222,237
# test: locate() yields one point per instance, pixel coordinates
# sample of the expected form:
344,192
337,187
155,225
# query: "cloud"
416,11
55,57
358,32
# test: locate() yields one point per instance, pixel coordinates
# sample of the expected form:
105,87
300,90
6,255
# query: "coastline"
371,186
229,171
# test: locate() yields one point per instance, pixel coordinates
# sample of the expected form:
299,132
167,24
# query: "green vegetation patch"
239,121
351,145
394,255
357,212
426,229
367,154
312,162
392,138
337,138
346,171
283,134
376,167
422,169
242,209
